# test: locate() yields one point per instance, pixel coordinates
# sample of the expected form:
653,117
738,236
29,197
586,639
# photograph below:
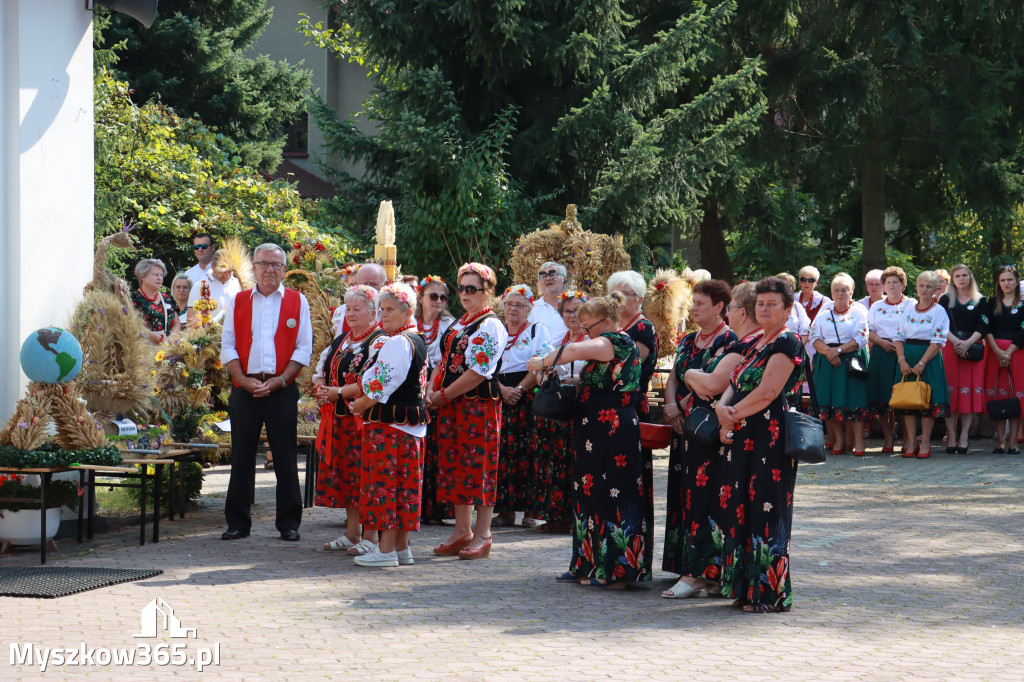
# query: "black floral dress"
612,538
157,314
756,500
644,334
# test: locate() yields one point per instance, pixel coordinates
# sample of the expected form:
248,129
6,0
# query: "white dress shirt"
548,315
265,313
222,294
197,272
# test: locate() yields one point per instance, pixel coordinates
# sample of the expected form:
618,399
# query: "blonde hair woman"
966,377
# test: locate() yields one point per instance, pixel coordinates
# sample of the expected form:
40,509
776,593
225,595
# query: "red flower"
620,460
619,572
751,490
723,496
588,553
588,482
777,475
741,514
297,246
688,498
478,341
702,479
773,427
748,445
481,358
612,417
375,385
320,247
296,259
693,528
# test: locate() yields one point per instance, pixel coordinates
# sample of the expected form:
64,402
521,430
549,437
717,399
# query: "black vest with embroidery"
341,368
453,362
406,405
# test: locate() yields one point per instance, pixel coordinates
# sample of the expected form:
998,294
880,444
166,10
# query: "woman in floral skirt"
465,393
395,422
433,320
340,438
612,537
693,539
756,498
517,459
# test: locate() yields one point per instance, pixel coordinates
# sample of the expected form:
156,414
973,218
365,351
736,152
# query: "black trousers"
279,411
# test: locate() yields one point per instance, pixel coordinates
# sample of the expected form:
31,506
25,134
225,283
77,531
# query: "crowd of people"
426,416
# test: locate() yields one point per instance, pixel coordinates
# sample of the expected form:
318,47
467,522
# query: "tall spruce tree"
193,59
490,116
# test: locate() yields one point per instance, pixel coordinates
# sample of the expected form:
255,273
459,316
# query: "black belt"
511,378
917,342
262,376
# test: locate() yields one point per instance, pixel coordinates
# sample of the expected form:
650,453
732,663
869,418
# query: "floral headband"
348,271
484,272
575,293
431,279
521,289
369,292
400,292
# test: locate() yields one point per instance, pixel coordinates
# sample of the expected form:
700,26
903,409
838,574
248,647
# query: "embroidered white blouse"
883,317
485,346
530,342
853,324
798,323
345,345
388,372
932,325
434,347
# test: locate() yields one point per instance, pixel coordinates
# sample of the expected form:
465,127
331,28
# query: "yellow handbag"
911,395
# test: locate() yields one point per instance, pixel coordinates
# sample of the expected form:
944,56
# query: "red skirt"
469,435
1016,372
392,479
966,381
337,480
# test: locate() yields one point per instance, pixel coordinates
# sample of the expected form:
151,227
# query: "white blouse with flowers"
387,373
485,346
883,317
932,325
434,345
530,342
853,324
345,346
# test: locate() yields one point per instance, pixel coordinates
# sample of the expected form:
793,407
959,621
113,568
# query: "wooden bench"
87,479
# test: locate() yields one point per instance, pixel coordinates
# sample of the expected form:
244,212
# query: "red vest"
284,339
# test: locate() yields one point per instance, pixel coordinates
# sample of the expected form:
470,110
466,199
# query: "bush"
58,493
191,479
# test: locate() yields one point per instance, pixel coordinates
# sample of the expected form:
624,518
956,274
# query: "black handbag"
804,435
554,400
853,365
1006,408
702,425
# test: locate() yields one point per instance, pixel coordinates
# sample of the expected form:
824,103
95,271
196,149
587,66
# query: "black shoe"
290,535
234,534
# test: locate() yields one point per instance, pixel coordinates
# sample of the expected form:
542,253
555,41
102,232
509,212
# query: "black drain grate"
48,582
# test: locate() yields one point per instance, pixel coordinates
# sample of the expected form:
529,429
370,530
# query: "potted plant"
19,508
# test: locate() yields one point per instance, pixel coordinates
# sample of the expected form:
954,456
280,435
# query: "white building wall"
46,172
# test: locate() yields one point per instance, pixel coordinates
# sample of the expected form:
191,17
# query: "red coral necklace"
352,338
467,318
512,341
429,336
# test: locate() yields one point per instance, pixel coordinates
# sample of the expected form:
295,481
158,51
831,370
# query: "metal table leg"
45,481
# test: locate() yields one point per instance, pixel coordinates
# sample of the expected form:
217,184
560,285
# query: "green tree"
171,176
491,116
193,59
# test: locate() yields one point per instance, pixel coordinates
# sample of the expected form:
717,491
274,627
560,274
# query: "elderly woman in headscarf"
158,314
517,458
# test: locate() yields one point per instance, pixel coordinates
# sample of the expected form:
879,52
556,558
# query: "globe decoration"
51,355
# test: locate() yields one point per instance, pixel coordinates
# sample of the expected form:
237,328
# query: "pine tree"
492,115
193,59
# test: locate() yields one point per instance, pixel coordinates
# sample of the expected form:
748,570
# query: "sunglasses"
200,247
808,280
468,289
434,296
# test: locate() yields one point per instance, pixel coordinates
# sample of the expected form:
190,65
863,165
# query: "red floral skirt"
469,435
966,381
430,509
337,481
391,479
517,462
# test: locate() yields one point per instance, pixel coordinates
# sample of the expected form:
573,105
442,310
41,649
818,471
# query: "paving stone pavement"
902,569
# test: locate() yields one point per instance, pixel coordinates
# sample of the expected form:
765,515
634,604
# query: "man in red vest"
267,339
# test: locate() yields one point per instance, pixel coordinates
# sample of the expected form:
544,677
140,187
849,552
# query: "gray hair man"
551,284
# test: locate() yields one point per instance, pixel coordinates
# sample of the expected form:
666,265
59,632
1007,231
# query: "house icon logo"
158,615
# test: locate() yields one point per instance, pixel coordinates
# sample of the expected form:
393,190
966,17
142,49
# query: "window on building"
297,143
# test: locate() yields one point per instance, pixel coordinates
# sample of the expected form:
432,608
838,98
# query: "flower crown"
484,272
522,289
348,271
369,292
574,293
431,279
400,292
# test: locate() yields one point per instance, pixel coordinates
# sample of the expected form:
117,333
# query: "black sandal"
765,608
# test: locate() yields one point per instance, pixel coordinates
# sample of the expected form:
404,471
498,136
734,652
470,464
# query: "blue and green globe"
51,355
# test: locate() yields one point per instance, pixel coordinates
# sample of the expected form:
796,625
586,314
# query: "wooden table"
45,475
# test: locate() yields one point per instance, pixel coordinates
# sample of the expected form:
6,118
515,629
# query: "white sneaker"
378,558
362,547
405,557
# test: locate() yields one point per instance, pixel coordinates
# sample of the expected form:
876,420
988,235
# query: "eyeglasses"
569,313
468,289
587,329
269,264
550,274
808,280
434,296
734,307
515,306
200,247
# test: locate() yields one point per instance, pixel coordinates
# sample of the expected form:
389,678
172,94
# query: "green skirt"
841,397
934,375
882,366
